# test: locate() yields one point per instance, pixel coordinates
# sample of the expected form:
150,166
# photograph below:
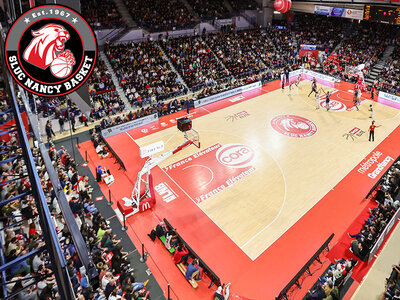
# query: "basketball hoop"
193,136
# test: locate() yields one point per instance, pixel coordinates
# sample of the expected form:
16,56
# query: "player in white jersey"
290,87
371,109
298,80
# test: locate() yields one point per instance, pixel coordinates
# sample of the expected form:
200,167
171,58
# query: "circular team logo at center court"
50,50
294,126
235,155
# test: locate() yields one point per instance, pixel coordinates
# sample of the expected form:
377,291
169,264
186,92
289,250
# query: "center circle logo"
235,155
294,126
50,50
334,105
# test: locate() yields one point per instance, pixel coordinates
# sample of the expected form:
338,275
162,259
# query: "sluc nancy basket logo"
294,126
51,50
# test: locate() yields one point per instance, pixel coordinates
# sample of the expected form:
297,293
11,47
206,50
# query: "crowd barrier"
113,130
306,268
390,97
220,96
206,269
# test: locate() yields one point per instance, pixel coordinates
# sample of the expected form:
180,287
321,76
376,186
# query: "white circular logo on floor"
235,155
294,126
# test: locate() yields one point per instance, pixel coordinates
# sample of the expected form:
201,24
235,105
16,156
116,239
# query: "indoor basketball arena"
194,149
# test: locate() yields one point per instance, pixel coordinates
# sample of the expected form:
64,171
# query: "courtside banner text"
389,97
318,75
295,73
217,97
129,125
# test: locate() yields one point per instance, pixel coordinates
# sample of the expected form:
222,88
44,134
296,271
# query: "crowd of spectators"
194,60
329,283
101,14
144,73
389,77
160,15
235,52
365,46
389,202
239,5
323,31
392,289
209,10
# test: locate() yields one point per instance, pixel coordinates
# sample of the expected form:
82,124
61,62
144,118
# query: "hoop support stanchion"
143,256
124,227
168,298
86,160
77,143
109,203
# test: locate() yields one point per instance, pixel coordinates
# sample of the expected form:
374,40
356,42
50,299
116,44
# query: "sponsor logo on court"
334,105
51,50
294,126
235,155
353,133
165,191
239,115
372,161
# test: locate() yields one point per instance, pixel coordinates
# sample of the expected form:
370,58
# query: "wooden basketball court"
288,175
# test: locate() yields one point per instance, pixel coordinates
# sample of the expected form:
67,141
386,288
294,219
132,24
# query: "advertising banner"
337,11
322,10
389,97
217,97
129,125
356,14
309,51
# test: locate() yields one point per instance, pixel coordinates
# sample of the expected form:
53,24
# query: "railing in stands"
214,278
295,281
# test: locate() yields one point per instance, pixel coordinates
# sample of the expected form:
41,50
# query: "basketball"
60,67
282,6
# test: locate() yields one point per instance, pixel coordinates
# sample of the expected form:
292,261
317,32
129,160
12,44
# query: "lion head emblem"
290,124
47,42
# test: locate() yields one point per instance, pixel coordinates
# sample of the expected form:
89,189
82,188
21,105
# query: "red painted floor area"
262,278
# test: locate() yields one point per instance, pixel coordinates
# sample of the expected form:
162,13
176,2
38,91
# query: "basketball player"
355,99
327,100
317,100
290,87
298,80
372,131
371,109
313,87
359,97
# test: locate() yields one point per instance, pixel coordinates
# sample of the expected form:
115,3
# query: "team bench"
206,269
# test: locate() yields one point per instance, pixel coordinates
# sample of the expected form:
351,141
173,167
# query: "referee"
372,131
